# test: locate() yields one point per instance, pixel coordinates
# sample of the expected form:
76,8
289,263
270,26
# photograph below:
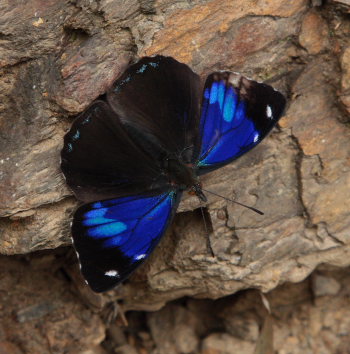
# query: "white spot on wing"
139,257
268,111
256,137
112,273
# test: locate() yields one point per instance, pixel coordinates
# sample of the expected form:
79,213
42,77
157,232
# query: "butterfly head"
196,189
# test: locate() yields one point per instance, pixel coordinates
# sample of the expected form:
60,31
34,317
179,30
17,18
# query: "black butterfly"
133,152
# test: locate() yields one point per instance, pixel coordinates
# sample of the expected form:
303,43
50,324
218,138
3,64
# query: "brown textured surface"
39,312
309,317
57,56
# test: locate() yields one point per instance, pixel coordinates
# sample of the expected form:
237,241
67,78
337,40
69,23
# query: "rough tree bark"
57,56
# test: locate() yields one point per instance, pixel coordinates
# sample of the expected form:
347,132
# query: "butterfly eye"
196,189
192,191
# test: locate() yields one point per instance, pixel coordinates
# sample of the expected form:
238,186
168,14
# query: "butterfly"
130,155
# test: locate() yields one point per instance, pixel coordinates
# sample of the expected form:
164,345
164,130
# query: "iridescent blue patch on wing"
213,93
96,213
132,224
230,105
232,143
69,147
107,230
149,228
114,241
226,130
131,209
209,115
96,221
240,114
97,205
221,94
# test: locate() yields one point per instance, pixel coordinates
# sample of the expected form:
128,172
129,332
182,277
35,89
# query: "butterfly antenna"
233,201
207,234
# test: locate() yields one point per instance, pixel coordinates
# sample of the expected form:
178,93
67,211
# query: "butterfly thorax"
183,176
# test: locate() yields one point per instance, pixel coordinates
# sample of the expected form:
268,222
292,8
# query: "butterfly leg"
207,234
112,311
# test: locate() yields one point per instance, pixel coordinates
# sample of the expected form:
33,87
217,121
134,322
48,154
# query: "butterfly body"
133,152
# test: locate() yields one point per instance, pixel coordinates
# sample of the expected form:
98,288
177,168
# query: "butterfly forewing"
160,97
100,160
114,236
237,113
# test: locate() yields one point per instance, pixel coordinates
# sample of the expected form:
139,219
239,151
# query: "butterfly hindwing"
114,236
237,113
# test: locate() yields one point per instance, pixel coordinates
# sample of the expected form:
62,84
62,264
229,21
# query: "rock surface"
38,318
57,56
306,318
